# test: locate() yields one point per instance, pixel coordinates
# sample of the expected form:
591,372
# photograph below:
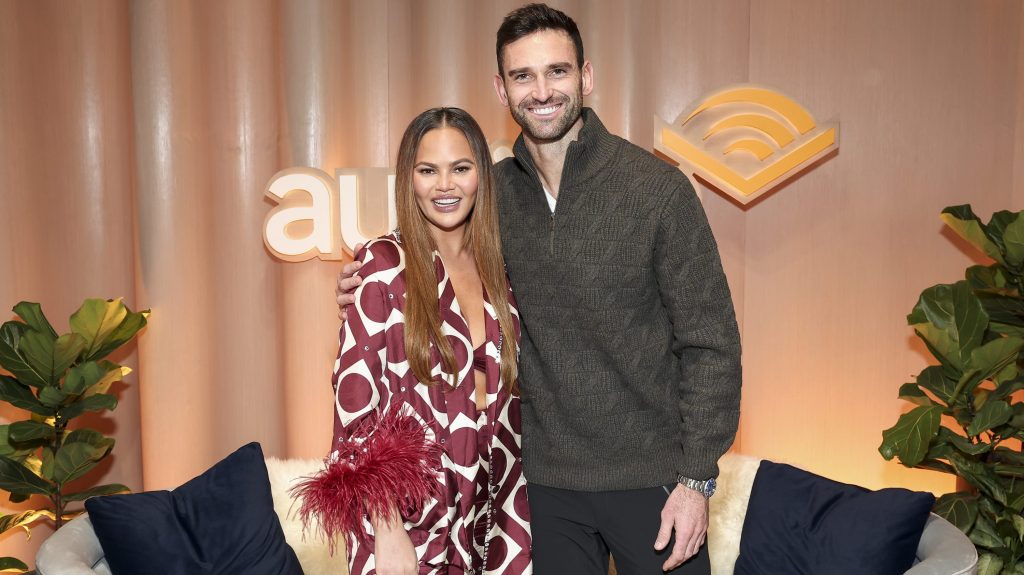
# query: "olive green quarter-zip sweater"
630,358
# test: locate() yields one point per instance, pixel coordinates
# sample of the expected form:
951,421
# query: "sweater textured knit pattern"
630,359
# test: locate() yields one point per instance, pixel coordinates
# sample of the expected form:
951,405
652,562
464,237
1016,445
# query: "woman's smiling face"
445,179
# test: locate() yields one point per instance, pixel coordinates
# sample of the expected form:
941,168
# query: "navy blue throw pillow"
222,522
799,523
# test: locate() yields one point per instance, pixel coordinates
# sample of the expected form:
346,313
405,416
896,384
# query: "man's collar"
593,148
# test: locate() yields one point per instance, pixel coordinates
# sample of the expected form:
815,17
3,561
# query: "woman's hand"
393,551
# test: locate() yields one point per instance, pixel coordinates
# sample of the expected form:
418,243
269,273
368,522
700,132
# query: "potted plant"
56,378
969,419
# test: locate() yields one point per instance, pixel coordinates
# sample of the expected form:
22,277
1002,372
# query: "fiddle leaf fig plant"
56,378
969,418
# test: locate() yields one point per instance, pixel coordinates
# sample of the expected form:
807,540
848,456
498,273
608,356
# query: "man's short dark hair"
531,18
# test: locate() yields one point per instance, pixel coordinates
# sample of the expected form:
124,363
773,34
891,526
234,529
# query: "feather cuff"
395,465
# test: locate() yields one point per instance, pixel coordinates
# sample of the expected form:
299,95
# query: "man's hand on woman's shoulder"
348,281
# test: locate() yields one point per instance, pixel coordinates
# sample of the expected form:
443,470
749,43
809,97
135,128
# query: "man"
630,360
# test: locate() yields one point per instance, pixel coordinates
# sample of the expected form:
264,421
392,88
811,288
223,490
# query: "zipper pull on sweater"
551,235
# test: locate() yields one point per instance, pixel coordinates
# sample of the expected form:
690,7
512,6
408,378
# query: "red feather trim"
395,465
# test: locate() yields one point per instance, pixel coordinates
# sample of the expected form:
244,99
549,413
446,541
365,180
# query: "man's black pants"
573,532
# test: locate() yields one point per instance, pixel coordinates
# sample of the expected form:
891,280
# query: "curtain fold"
66,191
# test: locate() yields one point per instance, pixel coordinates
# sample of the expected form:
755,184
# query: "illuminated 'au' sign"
319,216
745,140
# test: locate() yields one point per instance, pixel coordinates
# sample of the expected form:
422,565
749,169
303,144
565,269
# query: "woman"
424,473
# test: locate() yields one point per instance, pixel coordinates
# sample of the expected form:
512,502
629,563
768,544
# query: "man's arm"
695,294
348,281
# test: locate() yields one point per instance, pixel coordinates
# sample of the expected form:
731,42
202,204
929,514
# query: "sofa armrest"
944,550
72,550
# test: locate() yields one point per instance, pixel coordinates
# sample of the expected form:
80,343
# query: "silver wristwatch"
705,488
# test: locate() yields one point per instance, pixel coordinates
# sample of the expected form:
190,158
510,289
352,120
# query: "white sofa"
943,549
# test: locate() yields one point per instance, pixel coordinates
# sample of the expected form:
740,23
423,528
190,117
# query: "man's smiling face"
543,86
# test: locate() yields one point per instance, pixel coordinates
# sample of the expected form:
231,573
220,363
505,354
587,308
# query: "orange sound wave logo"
745,140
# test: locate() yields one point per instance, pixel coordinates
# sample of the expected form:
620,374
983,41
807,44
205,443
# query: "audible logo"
745,140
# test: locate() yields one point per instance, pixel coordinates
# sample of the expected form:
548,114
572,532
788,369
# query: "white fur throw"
728,508
310,548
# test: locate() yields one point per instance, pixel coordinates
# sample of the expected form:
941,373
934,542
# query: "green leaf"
25,431
51,397
995,355
1016,471
938,450
75,459
82,377
20,396
1013,240
1005,455
993,413
1018,524
66,350
46,463
980,397
961,443
50,358
112,373
985,277
989,564
936,465
12,565
90,437
1007,532
18,497
32,314
1002,305
912,393
1007,329
91,403
1016,501
1007,388
980,476
96,319
106,325
25,518
34,464
933,380
968,382
5,446
954,321
12,360
960,509
984,534
967,225
17,479
1008,373
910,437
995,229
98,491
124,333
15,452
81,451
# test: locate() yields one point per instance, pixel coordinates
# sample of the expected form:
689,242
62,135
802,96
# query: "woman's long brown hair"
422,317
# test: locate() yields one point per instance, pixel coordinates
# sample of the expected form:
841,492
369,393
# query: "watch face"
709,487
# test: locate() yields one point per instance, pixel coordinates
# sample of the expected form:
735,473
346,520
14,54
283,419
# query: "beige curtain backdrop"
136,140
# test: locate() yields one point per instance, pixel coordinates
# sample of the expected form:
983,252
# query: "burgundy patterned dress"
455,473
